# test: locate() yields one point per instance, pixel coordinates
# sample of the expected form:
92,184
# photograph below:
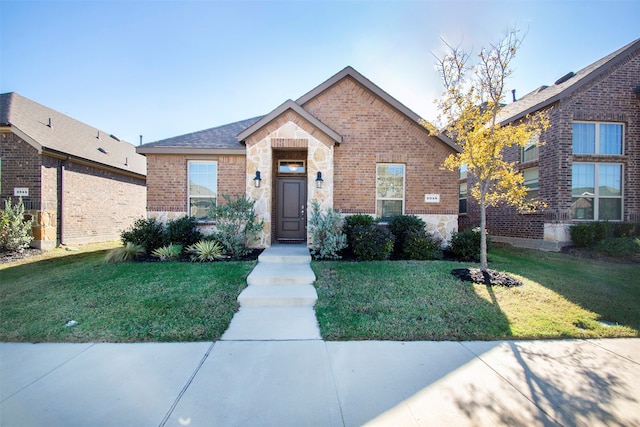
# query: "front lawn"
126,302
562,297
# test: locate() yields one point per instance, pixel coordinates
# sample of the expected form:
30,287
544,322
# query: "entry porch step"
271,273
286,253
278,296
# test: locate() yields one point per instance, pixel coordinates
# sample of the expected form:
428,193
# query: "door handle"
302,211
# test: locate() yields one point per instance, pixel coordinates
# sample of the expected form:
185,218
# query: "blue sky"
165,68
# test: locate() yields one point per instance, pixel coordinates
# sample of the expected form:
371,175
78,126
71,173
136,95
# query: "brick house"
78,183
346,144
589,166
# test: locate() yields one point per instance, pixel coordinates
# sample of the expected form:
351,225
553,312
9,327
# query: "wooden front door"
291,206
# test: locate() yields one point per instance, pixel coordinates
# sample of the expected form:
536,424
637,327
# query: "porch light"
257,179
319,180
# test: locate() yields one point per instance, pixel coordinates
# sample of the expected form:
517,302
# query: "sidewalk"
317,383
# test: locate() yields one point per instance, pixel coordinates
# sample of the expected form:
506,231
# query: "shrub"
352,221
148,233
15,231
465,245
418,244
237,224
326,233
401,226
183,231
372,242
128,252
582,235
619,246
206,250
168,253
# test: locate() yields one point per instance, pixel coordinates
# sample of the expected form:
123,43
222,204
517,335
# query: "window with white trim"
596,190
598,138
203,188
531,182
531,151
462,198
389,190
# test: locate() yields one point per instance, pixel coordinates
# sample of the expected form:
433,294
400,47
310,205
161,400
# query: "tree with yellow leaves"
472,98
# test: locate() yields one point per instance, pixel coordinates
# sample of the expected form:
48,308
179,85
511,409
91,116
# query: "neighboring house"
589,167
346,144
78,183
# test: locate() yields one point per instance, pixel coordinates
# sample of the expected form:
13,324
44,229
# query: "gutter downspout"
61,201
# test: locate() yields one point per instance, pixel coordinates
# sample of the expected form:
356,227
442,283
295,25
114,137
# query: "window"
463,171
203,188
462,198
597,138
596,190
389,190
291,166
531,181
531,151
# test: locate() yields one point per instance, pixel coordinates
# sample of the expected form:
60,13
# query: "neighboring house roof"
217,140
564,86
290,105
54,133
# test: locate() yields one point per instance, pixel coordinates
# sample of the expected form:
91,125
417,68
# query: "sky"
163,68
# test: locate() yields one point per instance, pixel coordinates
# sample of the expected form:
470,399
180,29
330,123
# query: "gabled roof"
50,131
290,105
564,86
217,140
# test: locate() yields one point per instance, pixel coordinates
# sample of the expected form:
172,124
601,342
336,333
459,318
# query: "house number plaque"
432,198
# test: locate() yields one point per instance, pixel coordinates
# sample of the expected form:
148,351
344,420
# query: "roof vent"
541,88
564,78
114,137
102,150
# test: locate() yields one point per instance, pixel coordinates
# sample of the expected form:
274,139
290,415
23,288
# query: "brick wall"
20,168
99,204
610,97
373,132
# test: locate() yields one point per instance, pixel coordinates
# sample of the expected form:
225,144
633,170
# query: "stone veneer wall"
285,133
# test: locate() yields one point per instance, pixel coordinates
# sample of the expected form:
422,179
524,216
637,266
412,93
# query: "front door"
291,216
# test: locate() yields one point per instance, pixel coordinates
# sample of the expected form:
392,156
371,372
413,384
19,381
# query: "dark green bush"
352,221
420,245
148,233
619,246
589,234
582,234
465,245
371,242
182,231
401,226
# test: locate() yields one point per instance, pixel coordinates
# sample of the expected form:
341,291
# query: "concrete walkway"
317,383
278,303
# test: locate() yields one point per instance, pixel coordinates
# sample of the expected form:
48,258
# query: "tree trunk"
484,264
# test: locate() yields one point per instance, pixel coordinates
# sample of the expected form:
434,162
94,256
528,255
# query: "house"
346,144
589,166
78,183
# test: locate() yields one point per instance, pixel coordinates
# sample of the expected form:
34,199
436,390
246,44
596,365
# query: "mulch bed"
6,258
489,278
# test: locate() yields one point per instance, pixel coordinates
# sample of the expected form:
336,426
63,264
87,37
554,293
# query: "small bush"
419,245
352,221
128,252
15,231
465,245
401,226
168,253
148,233
206,251
183,231
619,246
372,243
582,235
237,224
326,233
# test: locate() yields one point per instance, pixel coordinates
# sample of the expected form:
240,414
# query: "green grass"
123,302
563,297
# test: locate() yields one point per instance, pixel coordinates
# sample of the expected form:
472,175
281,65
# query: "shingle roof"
50,130
217,138
547,95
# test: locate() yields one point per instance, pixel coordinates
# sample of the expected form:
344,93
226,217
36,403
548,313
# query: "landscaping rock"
489,278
